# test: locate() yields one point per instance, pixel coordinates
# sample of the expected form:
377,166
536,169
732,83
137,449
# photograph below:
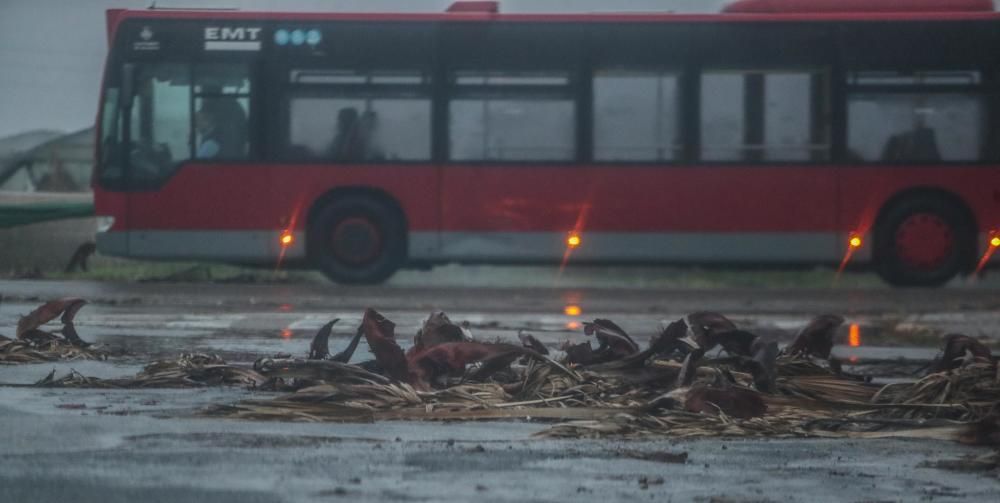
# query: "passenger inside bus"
208,144
347,144
917,145
221,124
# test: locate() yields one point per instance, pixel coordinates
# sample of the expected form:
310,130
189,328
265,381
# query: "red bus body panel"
208,196
552,198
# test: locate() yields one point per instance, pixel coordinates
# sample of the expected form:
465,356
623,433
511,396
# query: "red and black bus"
775,132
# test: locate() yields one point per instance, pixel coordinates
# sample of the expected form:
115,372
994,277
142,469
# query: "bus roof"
856,6
744,11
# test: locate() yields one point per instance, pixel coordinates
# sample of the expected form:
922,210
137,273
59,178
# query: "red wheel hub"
356,240
924,241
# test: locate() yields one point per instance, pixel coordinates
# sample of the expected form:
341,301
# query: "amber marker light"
854,242
573,240
572,310
286,239
995,241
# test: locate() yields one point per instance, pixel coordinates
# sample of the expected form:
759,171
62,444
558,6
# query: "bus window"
359,117
763,116
160,121
171,121
915,127
924,78
111,136
915,117
636,116
512,117
222,109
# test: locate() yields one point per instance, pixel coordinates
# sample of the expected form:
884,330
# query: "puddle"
157,403
236,440
850,354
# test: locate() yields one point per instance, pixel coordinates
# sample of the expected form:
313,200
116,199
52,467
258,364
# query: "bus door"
764,188
513,188
193,191
512,185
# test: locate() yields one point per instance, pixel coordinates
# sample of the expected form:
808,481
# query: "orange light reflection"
994,243
286,334
573,325
286,234
854,336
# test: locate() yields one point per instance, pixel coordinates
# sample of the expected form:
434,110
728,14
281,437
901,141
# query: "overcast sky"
52,51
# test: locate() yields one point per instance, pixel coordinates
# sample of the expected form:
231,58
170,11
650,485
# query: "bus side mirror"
128,85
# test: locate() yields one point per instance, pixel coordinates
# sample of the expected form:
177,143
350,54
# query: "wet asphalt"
130,445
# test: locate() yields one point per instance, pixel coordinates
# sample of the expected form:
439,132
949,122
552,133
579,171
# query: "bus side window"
358,116
511,117
895,117
636,116
764,116
111,136
222,111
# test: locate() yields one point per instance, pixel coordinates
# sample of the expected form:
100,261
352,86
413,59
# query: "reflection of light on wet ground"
991,247
285,308
854,335
573,311
286,334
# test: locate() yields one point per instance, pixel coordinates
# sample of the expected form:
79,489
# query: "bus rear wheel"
357,240
923,241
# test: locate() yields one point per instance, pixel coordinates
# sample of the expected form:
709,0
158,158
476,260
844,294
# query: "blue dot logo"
298,37
281,37
313,37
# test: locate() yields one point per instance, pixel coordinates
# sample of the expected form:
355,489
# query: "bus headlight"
104,224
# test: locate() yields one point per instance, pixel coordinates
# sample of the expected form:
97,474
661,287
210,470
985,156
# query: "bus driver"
207,126
222,129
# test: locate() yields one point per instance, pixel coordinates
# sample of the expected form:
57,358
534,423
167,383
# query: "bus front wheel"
357,240
923,241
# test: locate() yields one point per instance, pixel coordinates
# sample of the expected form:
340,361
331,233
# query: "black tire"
923,241
357,240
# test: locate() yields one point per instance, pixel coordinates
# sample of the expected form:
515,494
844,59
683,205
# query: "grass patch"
104,269
452,275
634,277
